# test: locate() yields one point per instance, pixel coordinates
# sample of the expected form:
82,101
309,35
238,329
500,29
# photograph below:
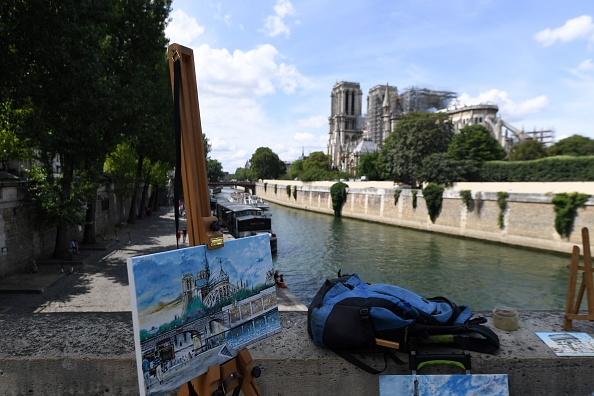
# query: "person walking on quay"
147,373
185,234
158,367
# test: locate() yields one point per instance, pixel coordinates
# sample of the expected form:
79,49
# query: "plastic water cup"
505,318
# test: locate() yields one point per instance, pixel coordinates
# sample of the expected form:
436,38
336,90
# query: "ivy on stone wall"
289,191
414,198
466,197
396,196
275,188
295,193
338,193
565,206
433,195
502,203
265,186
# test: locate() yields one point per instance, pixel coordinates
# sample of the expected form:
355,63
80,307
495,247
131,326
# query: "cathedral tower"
346,121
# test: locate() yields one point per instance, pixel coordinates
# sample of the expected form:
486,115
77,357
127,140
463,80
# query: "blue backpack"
349,315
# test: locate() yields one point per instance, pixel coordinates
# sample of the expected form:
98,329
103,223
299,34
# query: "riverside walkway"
72,334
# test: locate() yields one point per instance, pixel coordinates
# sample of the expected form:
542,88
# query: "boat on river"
249,199
241,220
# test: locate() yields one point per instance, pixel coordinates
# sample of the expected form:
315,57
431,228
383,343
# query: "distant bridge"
247,185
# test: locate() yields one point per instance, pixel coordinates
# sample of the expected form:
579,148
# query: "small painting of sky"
445,385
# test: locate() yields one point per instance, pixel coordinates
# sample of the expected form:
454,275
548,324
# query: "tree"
474,142
317,160
121,165
527,150
242,174
265,164
416,136
440,168
369,166
296,169
214,170
62,79
575,145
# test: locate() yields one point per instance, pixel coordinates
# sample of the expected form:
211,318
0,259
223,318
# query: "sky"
265,69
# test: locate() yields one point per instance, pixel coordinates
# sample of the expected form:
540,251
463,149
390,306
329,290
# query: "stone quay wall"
24,238
529,218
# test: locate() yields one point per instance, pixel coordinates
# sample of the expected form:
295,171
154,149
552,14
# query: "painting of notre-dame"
193,308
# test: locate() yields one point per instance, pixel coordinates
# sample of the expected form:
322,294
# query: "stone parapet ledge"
93,354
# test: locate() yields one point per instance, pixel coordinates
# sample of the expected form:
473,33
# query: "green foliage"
12,145
295,193
317,160
296,170
46,190
316,174
433,198
466,196
576,145
121,164
288,191
527,150
338,193
416,136
414,198
242,174
474,142
369,166
502,203
214,170
439,168
565,206
265,164
542,170
396,196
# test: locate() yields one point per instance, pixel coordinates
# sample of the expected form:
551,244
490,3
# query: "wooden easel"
240,372
572,306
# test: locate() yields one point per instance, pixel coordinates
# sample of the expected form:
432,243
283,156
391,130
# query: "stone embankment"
92,353
528,216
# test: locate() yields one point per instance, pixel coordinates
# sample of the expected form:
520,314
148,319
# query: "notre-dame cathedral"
352,134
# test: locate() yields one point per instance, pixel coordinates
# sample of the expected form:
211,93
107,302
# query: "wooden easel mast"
238,373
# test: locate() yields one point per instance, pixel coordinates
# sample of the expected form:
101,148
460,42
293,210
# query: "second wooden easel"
572,307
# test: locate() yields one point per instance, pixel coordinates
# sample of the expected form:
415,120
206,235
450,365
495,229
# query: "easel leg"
209,382
205,384
249,372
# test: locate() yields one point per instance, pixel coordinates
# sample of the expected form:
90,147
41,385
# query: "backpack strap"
349,357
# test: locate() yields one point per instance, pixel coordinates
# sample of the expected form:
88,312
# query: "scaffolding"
423,99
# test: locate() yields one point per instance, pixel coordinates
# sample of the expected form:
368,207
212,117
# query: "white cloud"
574,29
314,122
275,24
245,73
508,109
183,29
586,66
284,8
584,71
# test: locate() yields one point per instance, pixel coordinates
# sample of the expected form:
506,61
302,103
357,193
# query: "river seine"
482,275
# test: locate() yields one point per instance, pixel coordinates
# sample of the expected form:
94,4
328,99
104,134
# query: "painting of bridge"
194,307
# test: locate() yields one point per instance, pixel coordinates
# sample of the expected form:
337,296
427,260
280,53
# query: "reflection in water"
314,246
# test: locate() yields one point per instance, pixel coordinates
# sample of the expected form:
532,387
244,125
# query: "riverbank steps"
528,216
93,354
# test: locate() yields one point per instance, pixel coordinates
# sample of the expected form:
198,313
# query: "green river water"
482,275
